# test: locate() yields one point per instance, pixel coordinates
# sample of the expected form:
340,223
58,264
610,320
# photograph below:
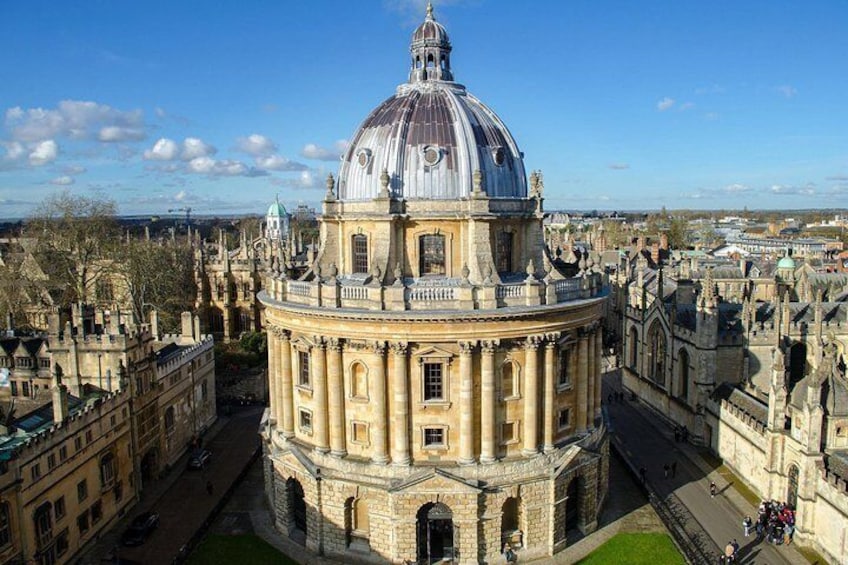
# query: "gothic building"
754,366
435,378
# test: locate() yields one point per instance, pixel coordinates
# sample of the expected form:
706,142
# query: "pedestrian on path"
746,525
712,489
674,468
666,470
643,474
209,488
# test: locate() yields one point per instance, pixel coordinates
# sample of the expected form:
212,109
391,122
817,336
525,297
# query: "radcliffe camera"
423,282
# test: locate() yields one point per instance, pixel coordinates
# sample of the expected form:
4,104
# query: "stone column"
582,381
466,402
335,396
488,407
531,396
273,370
549,418
380,452
590,380
320,423
285,409
599,371
400,412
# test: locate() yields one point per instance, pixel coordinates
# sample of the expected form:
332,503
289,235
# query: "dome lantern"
430,50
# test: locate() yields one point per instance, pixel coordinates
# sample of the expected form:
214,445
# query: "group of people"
731,553
615,397
775,522
681,433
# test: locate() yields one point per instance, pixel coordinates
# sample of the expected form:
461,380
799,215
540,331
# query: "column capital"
489,346
279,332
378,347
399,347
467,347
533,342
318,342
333,344
551,339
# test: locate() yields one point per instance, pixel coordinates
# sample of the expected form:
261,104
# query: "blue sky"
221,105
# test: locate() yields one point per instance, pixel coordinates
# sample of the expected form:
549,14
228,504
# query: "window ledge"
442,404
434,447
564,387
307,390
359,399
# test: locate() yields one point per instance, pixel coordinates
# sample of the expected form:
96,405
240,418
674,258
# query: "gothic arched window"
656,354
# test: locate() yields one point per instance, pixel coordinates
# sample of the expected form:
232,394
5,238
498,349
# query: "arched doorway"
572,505
297,509
792,487
435,533
510,523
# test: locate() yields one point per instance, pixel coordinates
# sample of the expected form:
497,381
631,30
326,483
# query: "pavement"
648,442
181,499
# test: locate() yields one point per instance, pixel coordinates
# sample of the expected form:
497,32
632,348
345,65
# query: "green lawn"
636,549
244,550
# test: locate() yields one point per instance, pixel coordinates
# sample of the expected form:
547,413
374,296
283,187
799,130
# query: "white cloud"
313,151
163,150
43,153
14,150
256,145
194,148
74,170
787,90
665,104
64,180
278,163
224,168
117,133
619,166
808,189
202,165
736,188
76,119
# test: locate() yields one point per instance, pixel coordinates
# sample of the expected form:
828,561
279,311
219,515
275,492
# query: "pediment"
433,352
436,481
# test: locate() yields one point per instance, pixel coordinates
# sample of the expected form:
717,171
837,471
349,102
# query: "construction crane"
187,214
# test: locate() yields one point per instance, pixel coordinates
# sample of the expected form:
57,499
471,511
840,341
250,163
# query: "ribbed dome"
431,136
276,210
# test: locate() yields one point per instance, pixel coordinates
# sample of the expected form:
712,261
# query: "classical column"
531,396
466,402
488,408
400,412
335,396
582,381
320,423
549,418
273,369
380,453
590,381
599,356
285,409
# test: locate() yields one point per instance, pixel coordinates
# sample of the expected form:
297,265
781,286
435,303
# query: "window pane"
433,254
433,381
360,254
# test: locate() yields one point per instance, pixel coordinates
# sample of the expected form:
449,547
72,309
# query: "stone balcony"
426,293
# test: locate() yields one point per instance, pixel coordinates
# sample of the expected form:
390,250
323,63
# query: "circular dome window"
363,157
432,155
499,156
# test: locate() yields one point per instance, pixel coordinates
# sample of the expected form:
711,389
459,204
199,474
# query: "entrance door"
435,534
572,505
297,504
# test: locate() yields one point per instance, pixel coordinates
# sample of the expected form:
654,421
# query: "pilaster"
400,410
285,409
488,407
319,390
380,454
466,402
335,395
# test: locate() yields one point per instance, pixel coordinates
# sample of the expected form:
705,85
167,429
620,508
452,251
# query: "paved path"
185,504
649,442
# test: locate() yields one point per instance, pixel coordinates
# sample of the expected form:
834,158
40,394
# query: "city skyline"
166,106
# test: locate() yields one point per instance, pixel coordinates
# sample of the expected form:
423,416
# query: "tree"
74,237
156,276
13,295
677,236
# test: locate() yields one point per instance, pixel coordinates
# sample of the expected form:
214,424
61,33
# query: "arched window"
108,470
656,354
509,383
683,374
792,487
430,62
633,346
5,525
43,519
432,254
359,381
360,253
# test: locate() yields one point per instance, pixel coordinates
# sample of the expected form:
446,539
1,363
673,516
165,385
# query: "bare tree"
74,236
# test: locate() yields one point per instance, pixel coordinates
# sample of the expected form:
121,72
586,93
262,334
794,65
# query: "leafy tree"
677,233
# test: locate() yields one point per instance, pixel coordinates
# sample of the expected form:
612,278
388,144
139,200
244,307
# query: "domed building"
435,376
276,222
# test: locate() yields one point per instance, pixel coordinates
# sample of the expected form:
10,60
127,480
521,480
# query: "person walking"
712,489
666,470
643,474
746,525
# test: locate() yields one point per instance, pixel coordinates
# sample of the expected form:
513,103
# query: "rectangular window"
360,433
59,507
306,421
503,252
96,512
434,388
82,522
25,388
360,253
432,249
63,453
82,490
51,461
88,436
36,471
77,443
434,437
303,369
564,419
62,543
508,432
14,386
564,375
44,363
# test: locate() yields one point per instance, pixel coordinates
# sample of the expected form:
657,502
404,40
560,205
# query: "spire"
430,50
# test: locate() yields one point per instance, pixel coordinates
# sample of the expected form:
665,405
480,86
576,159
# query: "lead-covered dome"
431,136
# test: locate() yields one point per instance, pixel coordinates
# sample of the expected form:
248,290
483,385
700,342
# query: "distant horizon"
689,105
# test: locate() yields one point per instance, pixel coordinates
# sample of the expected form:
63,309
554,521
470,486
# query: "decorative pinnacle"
430,11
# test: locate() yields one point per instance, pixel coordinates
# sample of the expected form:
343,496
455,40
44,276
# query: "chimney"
187,325
664,241
655,253
60,399
197,328
154,324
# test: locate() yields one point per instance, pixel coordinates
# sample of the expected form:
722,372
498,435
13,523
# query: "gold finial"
429,10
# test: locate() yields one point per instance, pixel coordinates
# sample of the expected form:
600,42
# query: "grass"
241,549
636,549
